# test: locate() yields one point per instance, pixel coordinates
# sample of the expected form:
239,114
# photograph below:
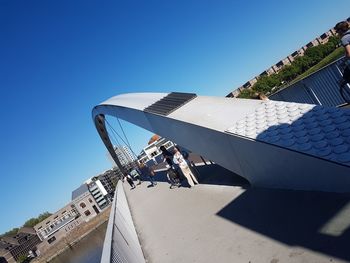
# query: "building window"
87,213
279,64
310,44
51,239
90,200
323,36
82,205
246,85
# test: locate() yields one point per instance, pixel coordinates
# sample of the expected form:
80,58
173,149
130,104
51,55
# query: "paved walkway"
220,223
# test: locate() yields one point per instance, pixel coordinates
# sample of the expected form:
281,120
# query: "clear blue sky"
58,59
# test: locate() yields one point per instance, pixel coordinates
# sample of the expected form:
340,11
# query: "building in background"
109,179
85,202
57,226
151,154
90,198
322,39
124,155
21,244
99,193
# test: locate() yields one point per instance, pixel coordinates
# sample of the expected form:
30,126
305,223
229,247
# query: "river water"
87,250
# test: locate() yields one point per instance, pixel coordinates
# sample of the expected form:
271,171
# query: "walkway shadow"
206,173
297,218
210,174
216,175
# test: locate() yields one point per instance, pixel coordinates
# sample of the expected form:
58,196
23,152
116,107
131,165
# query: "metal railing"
320,88
121,243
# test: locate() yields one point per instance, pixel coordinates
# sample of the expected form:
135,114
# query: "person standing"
130,181
137,175
147,173
180,160
173,177
167,156
343,30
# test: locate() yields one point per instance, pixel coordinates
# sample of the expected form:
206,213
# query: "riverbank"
73,238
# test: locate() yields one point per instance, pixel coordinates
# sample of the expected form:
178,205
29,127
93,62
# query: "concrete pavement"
222,223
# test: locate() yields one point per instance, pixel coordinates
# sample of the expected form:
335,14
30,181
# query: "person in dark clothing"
147,172
168,156
343,30
130,181
173,177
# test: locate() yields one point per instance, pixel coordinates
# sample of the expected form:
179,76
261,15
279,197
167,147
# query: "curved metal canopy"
271,144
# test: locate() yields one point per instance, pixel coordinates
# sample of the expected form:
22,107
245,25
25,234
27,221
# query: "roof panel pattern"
319,131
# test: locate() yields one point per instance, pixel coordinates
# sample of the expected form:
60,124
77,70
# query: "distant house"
12,247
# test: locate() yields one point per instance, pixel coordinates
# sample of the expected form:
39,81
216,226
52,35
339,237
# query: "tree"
22,259
334,41
315,54
36,220
302,63
43,216
289,72
246,94
266,83
29,223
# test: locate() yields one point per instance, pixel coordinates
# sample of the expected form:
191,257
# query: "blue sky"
58,59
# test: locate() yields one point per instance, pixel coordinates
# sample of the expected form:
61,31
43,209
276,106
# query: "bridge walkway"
228,223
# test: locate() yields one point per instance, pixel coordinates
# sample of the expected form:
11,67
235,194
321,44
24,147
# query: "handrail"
107,245
121,242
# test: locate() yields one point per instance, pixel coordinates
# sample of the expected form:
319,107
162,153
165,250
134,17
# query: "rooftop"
79,191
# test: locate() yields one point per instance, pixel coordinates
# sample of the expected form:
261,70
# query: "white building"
152,152
124,155
99,193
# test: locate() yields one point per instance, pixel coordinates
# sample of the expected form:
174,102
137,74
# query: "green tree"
36,220
316,54
289,72
334,41
266,83
22,258
43,216
302,63
246,94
